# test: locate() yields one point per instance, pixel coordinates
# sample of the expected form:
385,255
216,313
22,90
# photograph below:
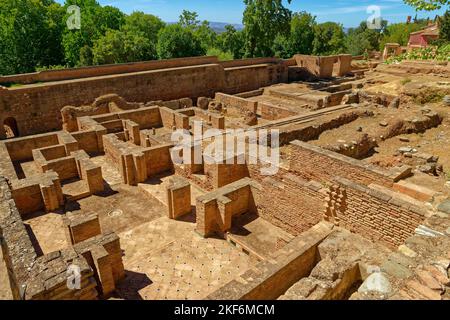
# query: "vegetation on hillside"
34,35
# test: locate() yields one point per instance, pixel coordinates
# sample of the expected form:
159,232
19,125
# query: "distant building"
422,38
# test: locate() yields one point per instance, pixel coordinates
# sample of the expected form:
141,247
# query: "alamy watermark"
73,277
230,146
74,20
374,20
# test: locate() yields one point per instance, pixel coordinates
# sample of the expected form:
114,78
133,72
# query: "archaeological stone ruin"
351,199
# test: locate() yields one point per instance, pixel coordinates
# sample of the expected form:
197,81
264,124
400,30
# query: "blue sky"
348,12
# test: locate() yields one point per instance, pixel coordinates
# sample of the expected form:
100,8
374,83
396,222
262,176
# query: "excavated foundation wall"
294,262
379,215
36,108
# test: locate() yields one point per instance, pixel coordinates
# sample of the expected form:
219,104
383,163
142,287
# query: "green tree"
119,47
95,21
148,24
232,41
264,20
223,56
399,33
444,32
29,35
189,19
53,53
362,39
428,5
300,38
86,56
328,39
357,43
174,41
207,36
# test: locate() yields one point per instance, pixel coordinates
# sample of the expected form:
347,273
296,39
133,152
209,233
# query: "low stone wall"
233,102
272,112
309,132
216,209
42,192
98,259
95,71
21,149
135,163
325,67
18,251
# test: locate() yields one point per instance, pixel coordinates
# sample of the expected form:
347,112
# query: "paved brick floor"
166,259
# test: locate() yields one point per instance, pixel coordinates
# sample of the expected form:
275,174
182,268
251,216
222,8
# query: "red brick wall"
288,201
95,71
315,163
378,216
36,108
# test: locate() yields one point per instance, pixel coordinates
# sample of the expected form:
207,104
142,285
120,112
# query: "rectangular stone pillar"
218,122
133,131
178,197
81,227
105,275
344,64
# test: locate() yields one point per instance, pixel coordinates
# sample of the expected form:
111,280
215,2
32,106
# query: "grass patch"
432,97
406,80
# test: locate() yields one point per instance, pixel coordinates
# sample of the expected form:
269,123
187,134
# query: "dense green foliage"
147,24
264,20
118,46
34,35
431,53
232,41
428,5
328,38
300,38
30,35
445,27
399,32
96,20
174,41
362,39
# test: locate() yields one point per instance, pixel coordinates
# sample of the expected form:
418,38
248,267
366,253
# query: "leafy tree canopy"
445,27
362,39
29,35
207,36
95,21
328,39
174,41
189,19
428,5
232,41
300,38
264,20
118,46
148,24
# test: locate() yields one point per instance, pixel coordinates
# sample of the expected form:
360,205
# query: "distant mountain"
219,27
